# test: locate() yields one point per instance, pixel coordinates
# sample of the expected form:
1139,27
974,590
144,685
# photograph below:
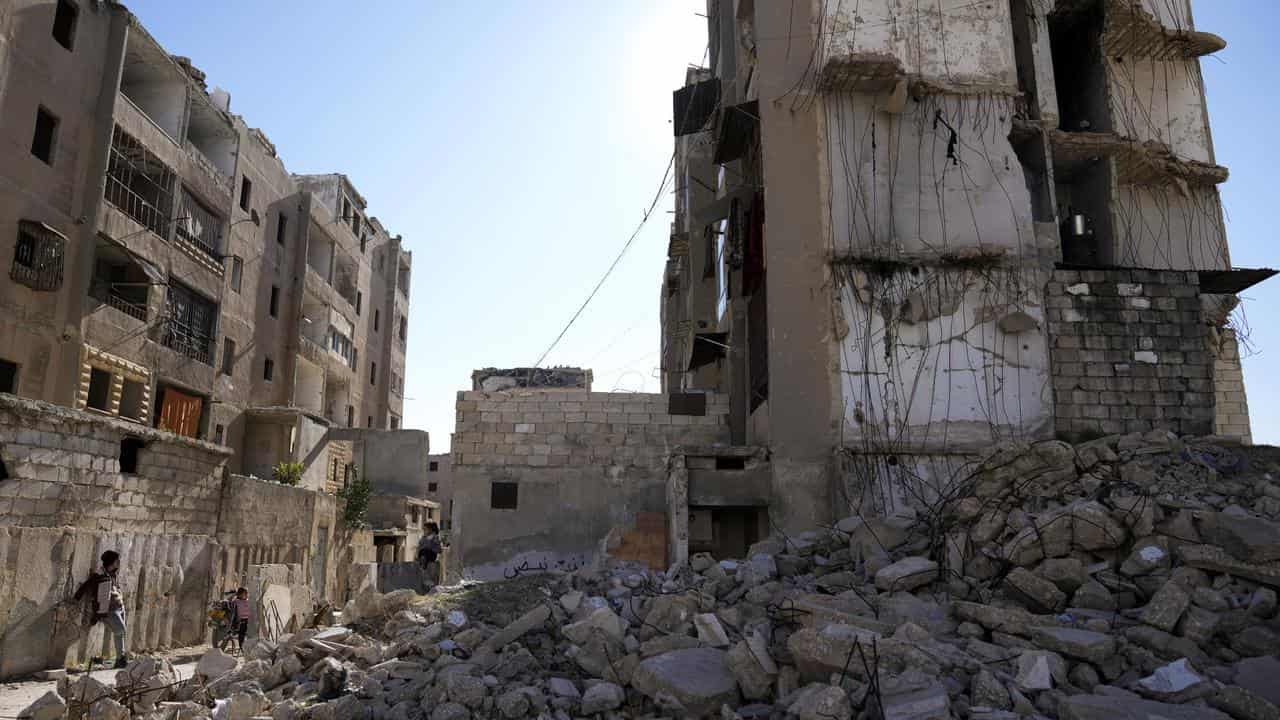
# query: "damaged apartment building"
164,267
178,315
907,231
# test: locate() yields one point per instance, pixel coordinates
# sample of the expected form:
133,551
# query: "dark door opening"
725,532
1075,41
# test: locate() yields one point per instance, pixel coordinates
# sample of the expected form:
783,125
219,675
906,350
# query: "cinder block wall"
1129,353
585,464
65,501
1232,408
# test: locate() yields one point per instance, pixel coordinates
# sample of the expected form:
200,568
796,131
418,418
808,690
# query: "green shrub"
287,473
356,494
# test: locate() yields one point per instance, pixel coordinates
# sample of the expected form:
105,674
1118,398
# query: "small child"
240,616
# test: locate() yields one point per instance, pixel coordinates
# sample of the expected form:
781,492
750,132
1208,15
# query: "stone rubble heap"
1128,577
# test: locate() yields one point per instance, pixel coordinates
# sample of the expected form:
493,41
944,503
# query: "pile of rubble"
1129,577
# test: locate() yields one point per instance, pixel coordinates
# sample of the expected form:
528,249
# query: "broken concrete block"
752,677
710,631
927,704
1243,705
1248,539
49,706
450,711
1080,644
214,664
907,574
562,687
602,697
1144,560
1176,682
1036,592
1040,670
1215,559
1111,707
699,679
987,691
570,601
525,623
108,709
1068,574
1166,607
820,702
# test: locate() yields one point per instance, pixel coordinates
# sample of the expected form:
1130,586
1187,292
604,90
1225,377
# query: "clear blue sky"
515,145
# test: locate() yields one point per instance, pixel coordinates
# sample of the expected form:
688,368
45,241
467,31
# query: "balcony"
187,340
199,229
138,183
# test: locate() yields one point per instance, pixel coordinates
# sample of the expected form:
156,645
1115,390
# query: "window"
355,223
364,243
228,356
37,256
99,390
404,328
9,377
237,272
346,474
346,208
376,317
433,466
131,404
129,449
395,423
42,140
414,516
355,357
218,432
432,487
359,301
282,223
504,495
199,226
138,183
373,373
246,192
274,308
189,328
268,369
351,416
368,422
64,23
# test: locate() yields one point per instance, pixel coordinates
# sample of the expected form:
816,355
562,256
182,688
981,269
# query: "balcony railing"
187,341
133,170
200,227
112,297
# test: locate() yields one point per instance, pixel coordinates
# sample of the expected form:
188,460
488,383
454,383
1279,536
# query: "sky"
516,146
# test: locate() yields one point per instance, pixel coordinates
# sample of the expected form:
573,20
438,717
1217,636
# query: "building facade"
164,266
906,232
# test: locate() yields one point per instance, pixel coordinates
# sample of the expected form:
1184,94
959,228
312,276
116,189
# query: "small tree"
356,494
287,473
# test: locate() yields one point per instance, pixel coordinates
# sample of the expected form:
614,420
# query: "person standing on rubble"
108,601
429,553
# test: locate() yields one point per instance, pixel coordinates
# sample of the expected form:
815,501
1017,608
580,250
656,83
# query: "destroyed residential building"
904,235
165,268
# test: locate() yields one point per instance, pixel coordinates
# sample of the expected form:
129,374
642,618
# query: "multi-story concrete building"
907,231
165,267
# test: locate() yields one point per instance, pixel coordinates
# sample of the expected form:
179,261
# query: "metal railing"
117,301
200,227
131,168
187,341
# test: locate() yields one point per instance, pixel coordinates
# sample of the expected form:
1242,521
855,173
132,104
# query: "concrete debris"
1039,589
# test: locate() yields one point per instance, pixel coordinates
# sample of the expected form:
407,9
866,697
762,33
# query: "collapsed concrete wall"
555,477
79,484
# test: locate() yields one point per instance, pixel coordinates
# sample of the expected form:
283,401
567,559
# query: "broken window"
282,224
189,325
138,183
45,135
64,23
122,280
132,394
99,397
237,271
8,377
268,369
274,307
129,450
38,256
504,495
228,356
246,192
199,226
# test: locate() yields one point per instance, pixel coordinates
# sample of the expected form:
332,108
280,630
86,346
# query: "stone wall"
1231,418
1129,353
570,471
65,500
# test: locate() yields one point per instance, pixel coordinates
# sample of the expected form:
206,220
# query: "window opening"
8,377
129,450
99,390
504,495
132,393
64,23
38,256
45,136
189,328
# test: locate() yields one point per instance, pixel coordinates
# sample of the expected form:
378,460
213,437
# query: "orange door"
180,413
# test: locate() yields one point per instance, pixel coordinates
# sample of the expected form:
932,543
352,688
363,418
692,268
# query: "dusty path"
16,696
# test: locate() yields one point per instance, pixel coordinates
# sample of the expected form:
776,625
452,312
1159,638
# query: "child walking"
240,616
